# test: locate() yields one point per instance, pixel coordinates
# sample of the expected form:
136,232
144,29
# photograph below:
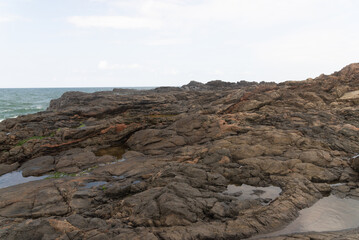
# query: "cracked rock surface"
156,164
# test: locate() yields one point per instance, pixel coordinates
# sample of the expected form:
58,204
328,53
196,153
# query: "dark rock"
355,163
183,147
6,168
38,166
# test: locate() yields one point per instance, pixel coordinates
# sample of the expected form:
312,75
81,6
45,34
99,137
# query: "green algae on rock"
296,136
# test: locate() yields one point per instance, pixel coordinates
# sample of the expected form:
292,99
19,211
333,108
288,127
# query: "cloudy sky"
68,43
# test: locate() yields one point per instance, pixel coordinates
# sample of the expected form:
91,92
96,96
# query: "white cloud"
187,17
175,13
104,65
201,39
116,22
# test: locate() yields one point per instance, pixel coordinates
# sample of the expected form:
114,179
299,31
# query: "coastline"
165,163
22,101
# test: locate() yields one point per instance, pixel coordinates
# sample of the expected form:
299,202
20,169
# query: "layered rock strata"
182,148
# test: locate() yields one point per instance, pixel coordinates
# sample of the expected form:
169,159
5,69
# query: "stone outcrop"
156,164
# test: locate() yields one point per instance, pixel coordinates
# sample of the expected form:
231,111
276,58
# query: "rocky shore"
165,163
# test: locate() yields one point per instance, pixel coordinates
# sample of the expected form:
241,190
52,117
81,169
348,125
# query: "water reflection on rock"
95,184
15,178
247,192
116,151
328,214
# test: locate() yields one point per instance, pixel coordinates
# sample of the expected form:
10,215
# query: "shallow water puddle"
136,182
94,184
15,178
119,177
116,151
328,214
337,184
109,163
247,192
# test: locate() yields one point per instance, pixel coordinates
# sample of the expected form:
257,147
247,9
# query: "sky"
131,43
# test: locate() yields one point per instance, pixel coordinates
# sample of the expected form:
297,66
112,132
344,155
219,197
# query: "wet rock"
6,168
38,166
156,164
355,163
74,160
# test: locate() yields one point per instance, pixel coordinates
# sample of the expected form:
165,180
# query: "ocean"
21,101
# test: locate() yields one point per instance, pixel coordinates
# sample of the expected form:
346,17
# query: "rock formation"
181,148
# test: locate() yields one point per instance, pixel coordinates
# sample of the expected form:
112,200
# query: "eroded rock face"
184,147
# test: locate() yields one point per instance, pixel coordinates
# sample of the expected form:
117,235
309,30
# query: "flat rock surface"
157,164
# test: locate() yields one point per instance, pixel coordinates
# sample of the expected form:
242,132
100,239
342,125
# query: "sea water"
21,101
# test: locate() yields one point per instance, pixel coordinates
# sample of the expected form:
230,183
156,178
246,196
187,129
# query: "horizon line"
78,87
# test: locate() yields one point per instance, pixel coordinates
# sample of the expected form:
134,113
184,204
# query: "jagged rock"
6,168
184,147
38,166
355,163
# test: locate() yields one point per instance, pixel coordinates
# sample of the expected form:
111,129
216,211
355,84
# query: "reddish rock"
185,146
